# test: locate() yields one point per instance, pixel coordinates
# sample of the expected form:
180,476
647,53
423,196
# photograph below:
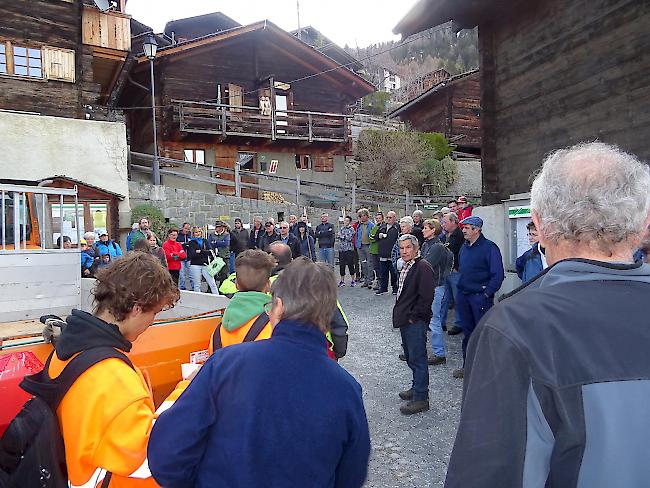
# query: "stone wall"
469,179
204,208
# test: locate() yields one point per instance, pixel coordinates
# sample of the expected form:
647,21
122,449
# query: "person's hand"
86,272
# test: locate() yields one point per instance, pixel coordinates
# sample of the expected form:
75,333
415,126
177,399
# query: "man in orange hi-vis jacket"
107,414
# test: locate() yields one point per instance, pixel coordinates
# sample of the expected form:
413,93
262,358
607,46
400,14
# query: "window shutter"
323,164
236,96
58,64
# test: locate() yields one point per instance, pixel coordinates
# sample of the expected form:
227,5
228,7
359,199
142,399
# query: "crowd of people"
556,377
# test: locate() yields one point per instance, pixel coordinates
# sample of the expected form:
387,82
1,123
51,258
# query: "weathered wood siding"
453,110
57,24
558,74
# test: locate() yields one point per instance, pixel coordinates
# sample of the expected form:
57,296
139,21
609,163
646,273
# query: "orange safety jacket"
255,329
106,418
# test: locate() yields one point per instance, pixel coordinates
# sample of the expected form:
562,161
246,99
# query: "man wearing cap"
481,275
219,241
464,208
269,236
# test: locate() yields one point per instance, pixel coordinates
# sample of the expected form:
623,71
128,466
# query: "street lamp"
150,46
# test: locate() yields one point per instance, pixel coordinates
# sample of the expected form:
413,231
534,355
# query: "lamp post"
150,46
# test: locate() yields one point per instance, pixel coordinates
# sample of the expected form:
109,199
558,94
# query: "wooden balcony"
248,121
108,30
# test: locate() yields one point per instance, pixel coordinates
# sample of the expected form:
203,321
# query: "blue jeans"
196,272
414,340
386,268
471,309
452,292
435,326
231,263
184,277
326,255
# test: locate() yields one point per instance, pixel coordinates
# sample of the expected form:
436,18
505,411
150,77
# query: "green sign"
517,212
430,206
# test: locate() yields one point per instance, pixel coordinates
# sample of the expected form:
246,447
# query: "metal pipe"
61,222
4,241
156,164
76,214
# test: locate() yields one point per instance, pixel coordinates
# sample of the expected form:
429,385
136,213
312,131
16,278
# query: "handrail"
39,189
253,107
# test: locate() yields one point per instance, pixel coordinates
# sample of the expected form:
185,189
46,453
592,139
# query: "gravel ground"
407,451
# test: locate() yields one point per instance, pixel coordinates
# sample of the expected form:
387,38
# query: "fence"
296,190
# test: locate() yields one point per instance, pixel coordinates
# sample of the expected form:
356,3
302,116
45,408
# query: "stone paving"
407,451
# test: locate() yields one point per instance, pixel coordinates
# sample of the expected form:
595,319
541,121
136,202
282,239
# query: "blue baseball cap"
472,220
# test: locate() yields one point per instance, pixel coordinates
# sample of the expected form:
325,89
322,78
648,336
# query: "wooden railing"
111,30
248,121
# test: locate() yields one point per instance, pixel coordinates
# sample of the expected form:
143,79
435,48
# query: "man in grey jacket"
557,382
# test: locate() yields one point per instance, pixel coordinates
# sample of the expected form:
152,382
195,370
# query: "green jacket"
374,244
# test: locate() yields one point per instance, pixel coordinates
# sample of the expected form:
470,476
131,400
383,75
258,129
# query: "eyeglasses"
268,307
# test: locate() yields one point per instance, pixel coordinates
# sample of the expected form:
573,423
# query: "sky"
352,22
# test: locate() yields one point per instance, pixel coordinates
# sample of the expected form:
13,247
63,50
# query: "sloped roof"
322,64
215,20
330,48
435,89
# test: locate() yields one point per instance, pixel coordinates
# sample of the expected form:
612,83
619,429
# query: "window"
280,114
27,62
20,60
196,156
324,164
246,161
3,58
303,161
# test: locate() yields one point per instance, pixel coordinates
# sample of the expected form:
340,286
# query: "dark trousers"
471,309
346,258
386,268
414,341
175,275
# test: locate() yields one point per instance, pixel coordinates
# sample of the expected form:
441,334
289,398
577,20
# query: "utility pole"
298,11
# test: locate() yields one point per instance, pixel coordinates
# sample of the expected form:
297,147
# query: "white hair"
410,237
420,213
406,220
89,235
591,192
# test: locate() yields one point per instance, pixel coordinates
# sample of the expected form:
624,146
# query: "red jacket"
173,248
463,213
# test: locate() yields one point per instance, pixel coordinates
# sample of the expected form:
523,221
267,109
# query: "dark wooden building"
61,58
553,73
452,107
251,94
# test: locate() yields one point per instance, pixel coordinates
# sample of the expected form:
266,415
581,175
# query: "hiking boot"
379,292
341,284
365,285
453,330
459,373
394,292
415,406
353,283
434,360
406,394
402,357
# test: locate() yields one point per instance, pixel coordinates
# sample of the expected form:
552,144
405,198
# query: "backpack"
32,453
256,329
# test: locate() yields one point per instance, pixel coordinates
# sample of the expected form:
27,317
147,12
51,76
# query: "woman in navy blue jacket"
271,413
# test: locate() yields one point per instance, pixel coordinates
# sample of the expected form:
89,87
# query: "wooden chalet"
251,94
61,58
553,73
452,107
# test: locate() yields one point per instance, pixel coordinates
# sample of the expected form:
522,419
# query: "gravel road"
407,451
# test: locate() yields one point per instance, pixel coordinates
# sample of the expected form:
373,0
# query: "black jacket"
440,258
414,303
386,243
454,242
294,243
266,239
254,242
325,235
238,240
198,254
184,239
557,383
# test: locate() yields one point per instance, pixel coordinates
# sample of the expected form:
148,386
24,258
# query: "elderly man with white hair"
557,382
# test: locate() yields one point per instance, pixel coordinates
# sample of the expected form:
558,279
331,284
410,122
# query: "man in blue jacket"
481,275
274,413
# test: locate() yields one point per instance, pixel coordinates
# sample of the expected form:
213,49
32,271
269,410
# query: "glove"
53,327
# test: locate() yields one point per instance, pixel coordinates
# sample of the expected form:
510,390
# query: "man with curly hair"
107,414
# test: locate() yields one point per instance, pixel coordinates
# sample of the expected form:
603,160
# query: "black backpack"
32,452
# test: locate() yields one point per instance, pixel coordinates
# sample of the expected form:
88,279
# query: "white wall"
36,147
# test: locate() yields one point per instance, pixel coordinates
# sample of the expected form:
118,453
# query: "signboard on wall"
520,217
273,167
